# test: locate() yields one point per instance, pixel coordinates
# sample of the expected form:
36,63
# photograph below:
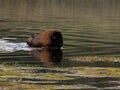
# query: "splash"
7,46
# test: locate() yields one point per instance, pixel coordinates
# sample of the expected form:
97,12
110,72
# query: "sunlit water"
88,28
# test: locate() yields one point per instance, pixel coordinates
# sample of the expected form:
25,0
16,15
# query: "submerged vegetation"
96,58
18,76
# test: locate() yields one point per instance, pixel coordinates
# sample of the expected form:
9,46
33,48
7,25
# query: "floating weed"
96,58
75,87
96,71
9,73
16,86
3,79
34,77
57,77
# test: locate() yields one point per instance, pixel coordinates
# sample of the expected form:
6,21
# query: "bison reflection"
48,56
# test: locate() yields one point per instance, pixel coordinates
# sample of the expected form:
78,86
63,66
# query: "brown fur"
48,38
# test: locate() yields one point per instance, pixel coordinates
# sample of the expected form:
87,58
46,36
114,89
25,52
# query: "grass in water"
24,77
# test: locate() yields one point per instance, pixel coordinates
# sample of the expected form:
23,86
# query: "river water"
89,58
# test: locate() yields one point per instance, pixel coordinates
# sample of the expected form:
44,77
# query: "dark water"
90,28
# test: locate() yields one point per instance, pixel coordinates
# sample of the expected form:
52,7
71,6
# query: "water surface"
91,50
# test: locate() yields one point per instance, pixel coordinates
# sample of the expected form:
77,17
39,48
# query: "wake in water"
7,46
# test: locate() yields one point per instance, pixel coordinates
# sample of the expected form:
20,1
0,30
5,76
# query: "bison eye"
54,37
